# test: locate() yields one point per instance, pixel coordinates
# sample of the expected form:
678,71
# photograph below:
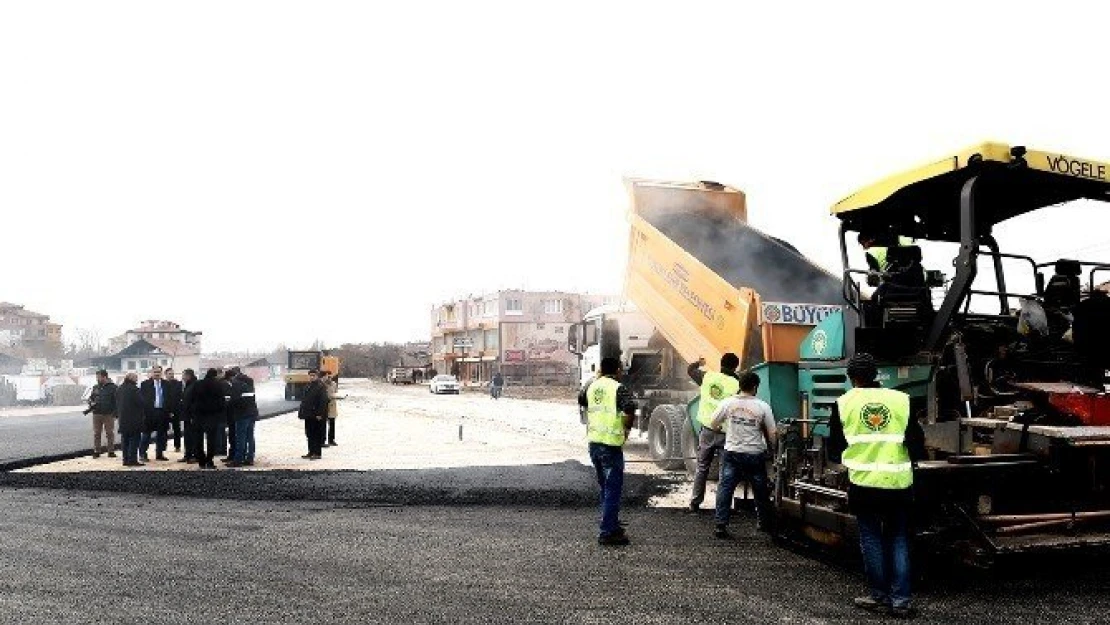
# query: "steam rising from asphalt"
746,257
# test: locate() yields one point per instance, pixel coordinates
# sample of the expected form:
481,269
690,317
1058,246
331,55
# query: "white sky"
423,150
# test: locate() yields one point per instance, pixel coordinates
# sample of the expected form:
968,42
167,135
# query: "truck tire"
689,447
690,453
665,436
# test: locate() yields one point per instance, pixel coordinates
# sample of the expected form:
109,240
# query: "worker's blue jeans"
244,440
736,466
885,543
609,464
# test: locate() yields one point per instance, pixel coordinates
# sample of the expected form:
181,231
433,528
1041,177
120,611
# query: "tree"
85,343
371,360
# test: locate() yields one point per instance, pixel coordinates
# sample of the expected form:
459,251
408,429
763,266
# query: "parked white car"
444,384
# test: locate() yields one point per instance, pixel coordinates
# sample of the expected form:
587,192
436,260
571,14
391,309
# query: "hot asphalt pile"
564,484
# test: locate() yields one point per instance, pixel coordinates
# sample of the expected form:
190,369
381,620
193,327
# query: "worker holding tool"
873,434
715,387
610,411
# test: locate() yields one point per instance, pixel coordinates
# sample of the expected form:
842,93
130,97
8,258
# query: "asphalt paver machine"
1009,384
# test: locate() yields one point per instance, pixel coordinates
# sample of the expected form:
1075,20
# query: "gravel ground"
489,542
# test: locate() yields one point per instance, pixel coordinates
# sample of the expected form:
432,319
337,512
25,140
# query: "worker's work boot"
870,604
906,612
616,539
722,532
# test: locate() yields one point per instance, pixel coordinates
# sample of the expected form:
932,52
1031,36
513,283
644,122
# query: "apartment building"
523,334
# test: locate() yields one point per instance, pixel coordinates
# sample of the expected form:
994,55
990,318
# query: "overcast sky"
278,172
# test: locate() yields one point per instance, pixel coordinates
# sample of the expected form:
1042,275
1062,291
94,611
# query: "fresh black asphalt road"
56,436
421,547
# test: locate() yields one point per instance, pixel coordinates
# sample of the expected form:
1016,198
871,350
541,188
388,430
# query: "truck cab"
621,331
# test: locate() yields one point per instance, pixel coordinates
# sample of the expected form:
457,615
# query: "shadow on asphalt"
567,483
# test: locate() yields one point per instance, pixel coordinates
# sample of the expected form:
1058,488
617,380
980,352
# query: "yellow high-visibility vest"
875,422
605,424
715,387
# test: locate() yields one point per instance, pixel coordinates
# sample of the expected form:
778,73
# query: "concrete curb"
23,463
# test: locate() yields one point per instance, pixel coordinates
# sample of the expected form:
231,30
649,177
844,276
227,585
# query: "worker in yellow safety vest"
877,253
715,388
873,434
610,411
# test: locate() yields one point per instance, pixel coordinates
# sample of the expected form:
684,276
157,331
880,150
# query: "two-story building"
161,343
156,330
523,334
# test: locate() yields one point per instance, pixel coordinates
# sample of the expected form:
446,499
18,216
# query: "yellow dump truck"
300,363
709,284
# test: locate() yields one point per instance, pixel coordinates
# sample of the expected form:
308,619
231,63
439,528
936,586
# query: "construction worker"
750,433
873,434
610,411
715,387
876,253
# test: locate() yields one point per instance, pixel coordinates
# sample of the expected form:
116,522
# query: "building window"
553,306
143,364
514,306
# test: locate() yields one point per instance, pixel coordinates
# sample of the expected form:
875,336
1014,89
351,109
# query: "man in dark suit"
314,412
174,390
156,413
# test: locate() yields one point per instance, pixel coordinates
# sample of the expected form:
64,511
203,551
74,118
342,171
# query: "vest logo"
599,395
820,342
716,391
875,416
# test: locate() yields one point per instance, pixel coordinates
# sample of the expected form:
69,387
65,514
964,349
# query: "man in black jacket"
244,412
227,446
208,408
174,390
102,405
156,411
129,407
314,413
185,410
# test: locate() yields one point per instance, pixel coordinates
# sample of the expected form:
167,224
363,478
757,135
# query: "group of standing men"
872,433
218,415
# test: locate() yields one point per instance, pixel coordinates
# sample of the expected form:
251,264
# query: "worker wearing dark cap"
873,434
715,388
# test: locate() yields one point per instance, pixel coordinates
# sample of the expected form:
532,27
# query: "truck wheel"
665,436
689,447
690,452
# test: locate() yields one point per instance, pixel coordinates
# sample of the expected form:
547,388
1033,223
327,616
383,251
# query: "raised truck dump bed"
701,273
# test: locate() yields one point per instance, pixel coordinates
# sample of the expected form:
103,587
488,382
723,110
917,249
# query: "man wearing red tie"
156,414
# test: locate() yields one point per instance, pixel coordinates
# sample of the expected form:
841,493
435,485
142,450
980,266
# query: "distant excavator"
300,363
